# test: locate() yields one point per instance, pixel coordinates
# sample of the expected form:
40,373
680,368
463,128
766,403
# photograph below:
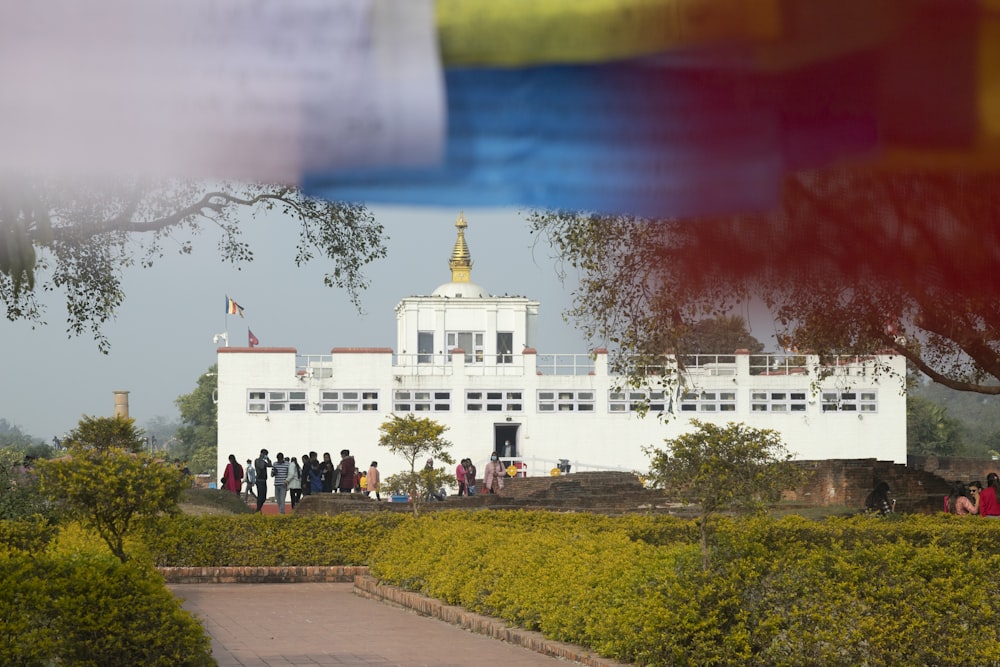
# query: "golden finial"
461,260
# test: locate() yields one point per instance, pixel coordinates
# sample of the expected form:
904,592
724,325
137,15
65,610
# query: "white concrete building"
466,359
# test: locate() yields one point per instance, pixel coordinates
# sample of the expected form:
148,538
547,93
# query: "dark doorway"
506,433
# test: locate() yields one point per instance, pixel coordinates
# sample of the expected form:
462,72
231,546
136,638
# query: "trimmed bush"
856,591
92,611
267,541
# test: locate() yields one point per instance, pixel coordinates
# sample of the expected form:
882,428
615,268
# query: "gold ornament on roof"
461,261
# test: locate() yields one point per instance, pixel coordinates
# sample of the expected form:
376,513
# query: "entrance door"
505,443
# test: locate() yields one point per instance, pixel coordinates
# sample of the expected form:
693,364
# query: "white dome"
455,290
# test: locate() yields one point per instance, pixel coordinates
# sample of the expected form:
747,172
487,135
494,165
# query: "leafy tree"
19,494
12,436
722,334
415,438
853,262
79,240
108,481
197,439
732,468
930,430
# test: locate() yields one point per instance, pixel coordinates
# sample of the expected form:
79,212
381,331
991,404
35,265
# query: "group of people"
963,499
294,478
973,498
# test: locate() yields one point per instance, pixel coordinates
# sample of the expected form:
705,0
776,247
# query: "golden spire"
461,260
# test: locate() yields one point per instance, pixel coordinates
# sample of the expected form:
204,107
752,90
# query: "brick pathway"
286,625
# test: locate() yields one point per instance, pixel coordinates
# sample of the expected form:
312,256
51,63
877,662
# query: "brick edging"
263,575
369,587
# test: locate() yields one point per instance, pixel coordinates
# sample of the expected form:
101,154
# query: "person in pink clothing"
232,478
988,504
959,501
493,475
460,476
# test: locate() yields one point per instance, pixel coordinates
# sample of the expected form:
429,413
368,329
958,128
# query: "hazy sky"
162,339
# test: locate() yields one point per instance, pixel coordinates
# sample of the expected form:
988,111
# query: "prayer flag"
233,308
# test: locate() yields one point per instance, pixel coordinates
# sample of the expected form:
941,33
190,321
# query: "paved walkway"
285,625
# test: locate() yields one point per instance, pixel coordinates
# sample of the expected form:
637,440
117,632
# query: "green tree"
930,429
11,435
853,262
415,438
108,481
78,241
733,468
722,334
197,439
19,494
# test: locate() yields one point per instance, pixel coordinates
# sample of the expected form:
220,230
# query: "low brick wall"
263,575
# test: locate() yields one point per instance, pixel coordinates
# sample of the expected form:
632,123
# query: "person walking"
250,478
261,464
374,480
232,478
279,471
294,481
493,475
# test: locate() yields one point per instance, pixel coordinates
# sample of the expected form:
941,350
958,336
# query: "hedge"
92,611
257,540
858,591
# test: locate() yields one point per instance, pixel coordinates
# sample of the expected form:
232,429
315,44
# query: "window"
505,347
276,400
494,401
407,400
348,400
777,401
709,401
566,401
425,347
850,401
621,401
470,341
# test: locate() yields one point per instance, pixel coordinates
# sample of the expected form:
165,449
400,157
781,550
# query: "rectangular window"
784,401
470,341
494,400
505,347
425,347
276,400
850,401
348,400
708,401
565,401
421,401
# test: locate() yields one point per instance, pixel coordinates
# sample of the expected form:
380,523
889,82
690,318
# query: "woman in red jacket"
988,504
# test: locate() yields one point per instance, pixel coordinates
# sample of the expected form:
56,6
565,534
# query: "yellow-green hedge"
259,540
860,591
92,611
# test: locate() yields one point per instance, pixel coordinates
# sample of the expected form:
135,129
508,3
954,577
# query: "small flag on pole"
233,308
252,339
